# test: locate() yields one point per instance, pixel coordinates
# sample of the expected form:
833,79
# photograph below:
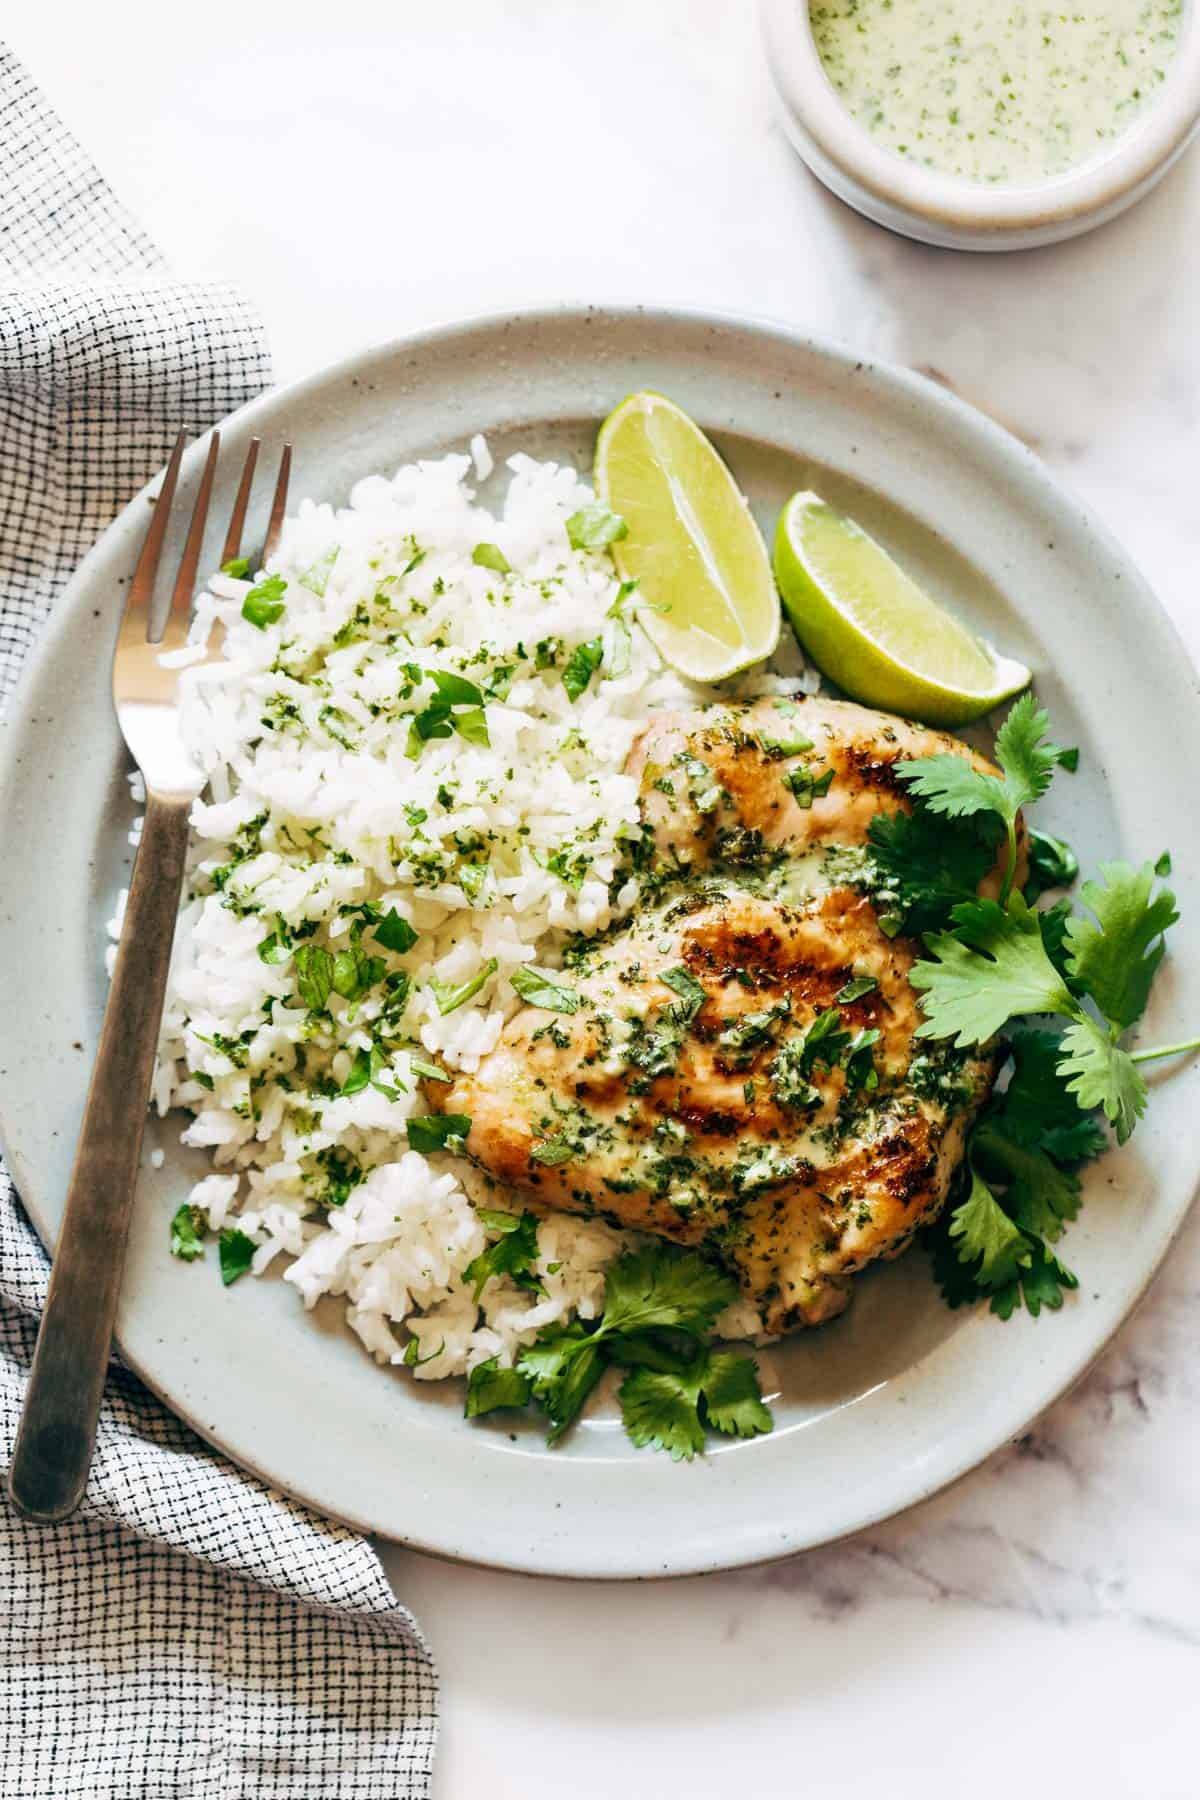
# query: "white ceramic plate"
900,1396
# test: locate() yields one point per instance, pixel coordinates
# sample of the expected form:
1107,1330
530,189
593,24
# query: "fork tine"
278,506
141,588
175,629
233,537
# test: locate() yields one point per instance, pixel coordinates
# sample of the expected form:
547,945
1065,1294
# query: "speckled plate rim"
467,1495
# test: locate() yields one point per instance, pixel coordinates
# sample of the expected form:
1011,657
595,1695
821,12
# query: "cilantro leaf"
455,690
439,720
1052,864
929,864
793,744
744,1037
666,1400
563,1366
489,1387
594,527
236,1252
437,1131
514,1254
733,1401
424,1070
619,650
1115,957
237,566
277,948
661,1410
824,1041
264,605
992,970
360,1073
432,722
490,556
987,1237
1041,1197
806,785
1054,921
412,1358
949,784
451,995
1039,1108
354,974
551,1151
471,725
658,1302
691,994
394,933
646,1289
187,1232
314,975
473,879
859,1063
1041,1284
956,1283
541,990
822,1044
857,988
1100,1073
1027,760
316,579
953,787
582,664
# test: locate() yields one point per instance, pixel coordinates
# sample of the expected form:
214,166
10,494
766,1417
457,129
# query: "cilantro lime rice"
415,746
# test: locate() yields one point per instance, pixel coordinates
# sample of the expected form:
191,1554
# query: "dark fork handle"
58,1425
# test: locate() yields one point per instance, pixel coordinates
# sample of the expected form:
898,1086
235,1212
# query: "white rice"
313,807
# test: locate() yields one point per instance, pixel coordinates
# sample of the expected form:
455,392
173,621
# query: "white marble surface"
367,168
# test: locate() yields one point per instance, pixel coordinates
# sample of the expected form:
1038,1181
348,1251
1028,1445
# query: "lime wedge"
693,546
871,629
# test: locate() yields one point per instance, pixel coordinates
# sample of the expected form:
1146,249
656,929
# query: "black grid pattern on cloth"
191,1634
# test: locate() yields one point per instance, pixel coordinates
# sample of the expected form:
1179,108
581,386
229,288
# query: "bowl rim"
1095,186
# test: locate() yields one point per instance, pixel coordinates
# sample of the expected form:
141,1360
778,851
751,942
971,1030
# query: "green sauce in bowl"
997,93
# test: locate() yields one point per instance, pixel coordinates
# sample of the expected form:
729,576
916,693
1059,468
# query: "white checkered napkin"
190,1634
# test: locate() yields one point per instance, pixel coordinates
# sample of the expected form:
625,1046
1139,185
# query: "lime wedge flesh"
873,631
693,546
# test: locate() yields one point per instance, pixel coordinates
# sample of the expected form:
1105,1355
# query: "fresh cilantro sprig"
1023,1188
994,966
991,963
668,1408
660,1305
953,786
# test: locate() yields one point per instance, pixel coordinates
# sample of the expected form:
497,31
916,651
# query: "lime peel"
870,628
692,546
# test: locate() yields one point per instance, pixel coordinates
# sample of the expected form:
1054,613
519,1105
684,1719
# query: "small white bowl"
958,214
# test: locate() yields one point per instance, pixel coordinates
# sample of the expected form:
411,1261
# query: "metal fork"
58,1425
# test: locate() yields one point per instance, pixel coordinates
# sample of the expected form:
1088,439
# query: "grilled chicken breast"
741,1069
